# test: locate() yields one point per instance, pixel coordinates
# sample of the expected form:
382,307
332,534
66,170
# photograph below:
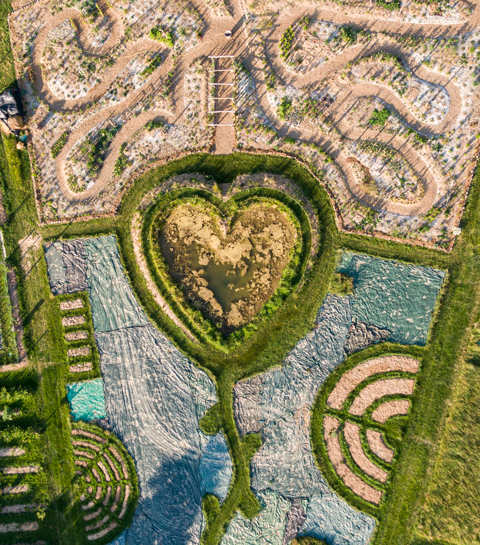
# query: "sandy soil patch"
20,470
352,436
88,455
391,408
331,427
125,502
351,379
112,466
81,367
13,451
89,434
86,444
104,470
379,389
104,532
71,305
17,527
92,515
116,500
76,336
98,524
377,444
120,460
73,320
77,352
19,508
20,489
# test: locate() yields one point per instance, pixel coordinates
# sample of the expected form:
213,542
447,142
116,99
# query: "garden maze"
239,272
109,481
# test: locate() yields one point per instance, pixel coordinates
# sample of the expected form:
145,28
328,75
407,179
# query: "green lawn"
7,72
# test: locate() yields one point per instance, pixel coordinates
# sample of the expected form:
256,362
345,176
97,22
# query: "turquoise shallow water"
87,400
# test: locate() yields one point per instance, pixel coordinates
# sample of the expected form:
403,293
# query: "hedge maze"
107,481
361,415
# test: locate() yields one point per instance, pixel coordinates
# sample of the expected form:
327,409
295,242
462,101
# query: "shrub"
391,6
122,161
163,36
348,34
304,22
152,125
152,65
286,42
59,144
284,108
379,117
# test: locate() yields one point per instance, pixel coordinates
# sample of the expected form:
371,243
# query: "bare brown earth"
71,305
379,389
391,408
352,437
73,320
263,231
351,379
378,446
331,427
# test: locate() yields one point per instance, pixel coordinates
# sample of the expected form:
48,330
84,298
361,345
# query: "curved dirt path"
350,91
241,45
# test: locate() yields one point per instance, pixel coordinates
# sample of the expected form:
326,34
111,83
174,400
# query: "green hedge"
200,326
90,341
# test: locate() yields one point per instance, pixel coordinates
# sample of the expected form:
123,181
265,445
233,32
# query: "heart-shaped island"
227,268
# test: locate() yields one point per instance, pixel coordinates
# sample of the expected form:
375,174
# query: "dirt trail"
242,45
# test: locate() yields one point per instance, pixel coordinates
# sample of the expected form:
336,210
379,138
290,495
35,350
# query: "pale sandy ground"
351,379
391,408
331,428
378,446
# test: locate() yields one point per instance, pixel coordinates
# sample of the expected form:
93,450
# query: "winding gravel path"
246,47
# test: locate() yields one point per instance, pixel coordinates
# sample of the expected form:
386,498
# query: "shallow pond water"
228,283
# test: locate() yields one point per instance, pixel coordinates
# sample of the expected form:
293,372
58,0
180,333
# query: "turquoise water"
87,400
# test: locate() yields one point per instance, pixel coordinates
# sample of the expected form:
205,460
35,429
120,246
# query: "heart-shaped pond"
228,268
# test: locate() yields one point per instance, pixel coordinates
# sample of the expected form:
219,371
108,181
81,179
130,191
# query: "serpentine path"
248,48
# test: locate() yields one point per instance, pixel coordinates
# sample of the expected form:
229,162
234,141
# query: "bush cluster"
284,108
59,144
152,65
379,117
163,35
122,161
391,5
95,149
286,42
